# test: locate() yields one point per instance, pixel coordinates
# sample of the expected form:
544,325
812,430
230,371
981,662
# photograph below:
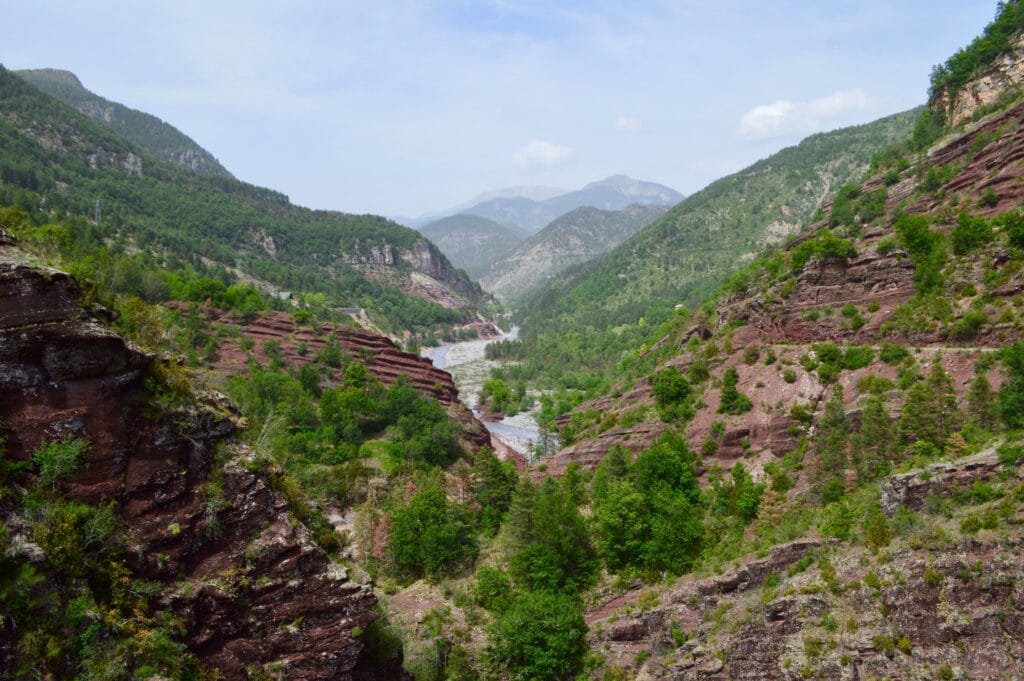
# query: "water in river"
469,368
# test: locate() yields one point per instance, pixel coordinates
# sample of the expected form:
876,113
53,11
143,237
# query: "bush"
59,459
539,637
970,234
429,534
968,326
493,590
733,401
789,376
893,354
669,387
825,247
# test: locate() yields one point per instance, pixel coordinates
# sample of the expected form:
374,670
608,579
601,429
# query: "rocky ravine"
251,586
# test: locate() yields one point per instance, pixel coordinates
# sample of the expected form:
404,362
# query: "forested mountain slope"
575,237
681,258
471,242
54,159
149,133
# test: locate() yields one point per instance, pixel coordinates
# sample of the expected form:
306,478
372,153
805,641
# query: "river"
469,368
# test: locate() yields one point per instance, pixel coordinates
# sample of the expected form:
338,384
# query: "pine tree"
831,442
981,402
930,411
874,442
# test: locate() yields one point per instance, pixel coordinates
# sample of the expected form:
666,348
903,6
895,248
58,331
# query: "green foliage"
927,129
968,326
926,249
540,637
994,41
825,247
1013,227
739,496
493,484
930,413
732,400
970,233
553,549
648,515
671,393
493,589
429,535
1010,402
892,353
58,459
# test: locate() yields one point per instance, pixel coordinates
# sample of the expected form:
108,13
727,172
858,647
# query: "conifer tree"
831,443
874,443
930,411
981,402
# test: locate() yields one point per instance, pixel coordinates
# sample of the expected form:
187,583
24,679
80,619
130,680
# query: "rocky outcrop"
912,490
437,280
1005,74
249,583
917,615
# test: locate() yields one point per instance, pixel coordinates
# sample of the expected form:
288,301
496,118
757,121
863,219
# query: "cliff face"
249,584
1006,74
432,276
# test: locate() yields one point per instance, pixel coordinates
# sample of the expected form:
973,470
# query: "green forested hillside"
146,131
575,237
54,160
472,242
599,310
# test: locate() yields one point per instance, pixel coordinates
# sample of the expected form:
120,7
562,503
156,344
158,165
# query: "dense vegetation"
56,163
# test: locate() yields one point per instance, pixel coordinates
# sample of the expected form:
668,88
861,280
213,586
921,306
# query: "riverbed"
469,368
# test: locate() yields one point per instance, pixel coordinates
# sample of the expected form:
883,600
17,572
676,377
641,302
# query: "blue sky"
402,108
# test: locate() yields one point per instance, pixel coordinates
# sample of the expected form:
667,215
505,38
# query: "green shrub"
732,400
970,234
826,246
540,636
968,326
893,354
59,459
789,376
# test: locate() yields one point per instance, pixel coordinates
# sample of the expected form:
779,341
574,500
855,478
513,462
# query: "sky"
404,108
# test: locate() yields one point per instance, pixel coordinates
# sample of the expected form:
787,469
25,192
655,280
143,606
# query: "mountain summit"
148,132
520,210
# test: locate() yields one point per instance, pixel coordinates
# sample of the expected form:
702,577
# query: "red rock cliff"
250,584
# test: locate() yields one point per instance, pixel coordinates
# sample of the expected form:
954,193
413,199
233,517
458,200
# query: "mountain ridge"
149,132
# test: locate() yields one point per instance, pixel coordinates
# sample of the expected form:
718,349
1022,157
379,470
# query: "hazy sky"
407,107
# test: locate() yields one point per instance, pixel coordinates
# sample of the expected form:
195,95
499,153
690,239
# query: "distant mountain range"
146,131
575,237
613,193
495,237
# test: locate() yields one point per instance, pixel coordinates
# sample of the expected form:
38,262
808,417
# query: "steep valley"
780,421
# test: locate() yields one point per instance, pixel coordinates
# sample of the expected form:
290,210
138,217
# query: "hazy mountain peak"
153,135
60,76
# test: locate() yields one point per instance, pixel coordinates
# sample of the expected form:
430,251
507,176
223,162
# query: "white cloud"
783,118
628,123
541,153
